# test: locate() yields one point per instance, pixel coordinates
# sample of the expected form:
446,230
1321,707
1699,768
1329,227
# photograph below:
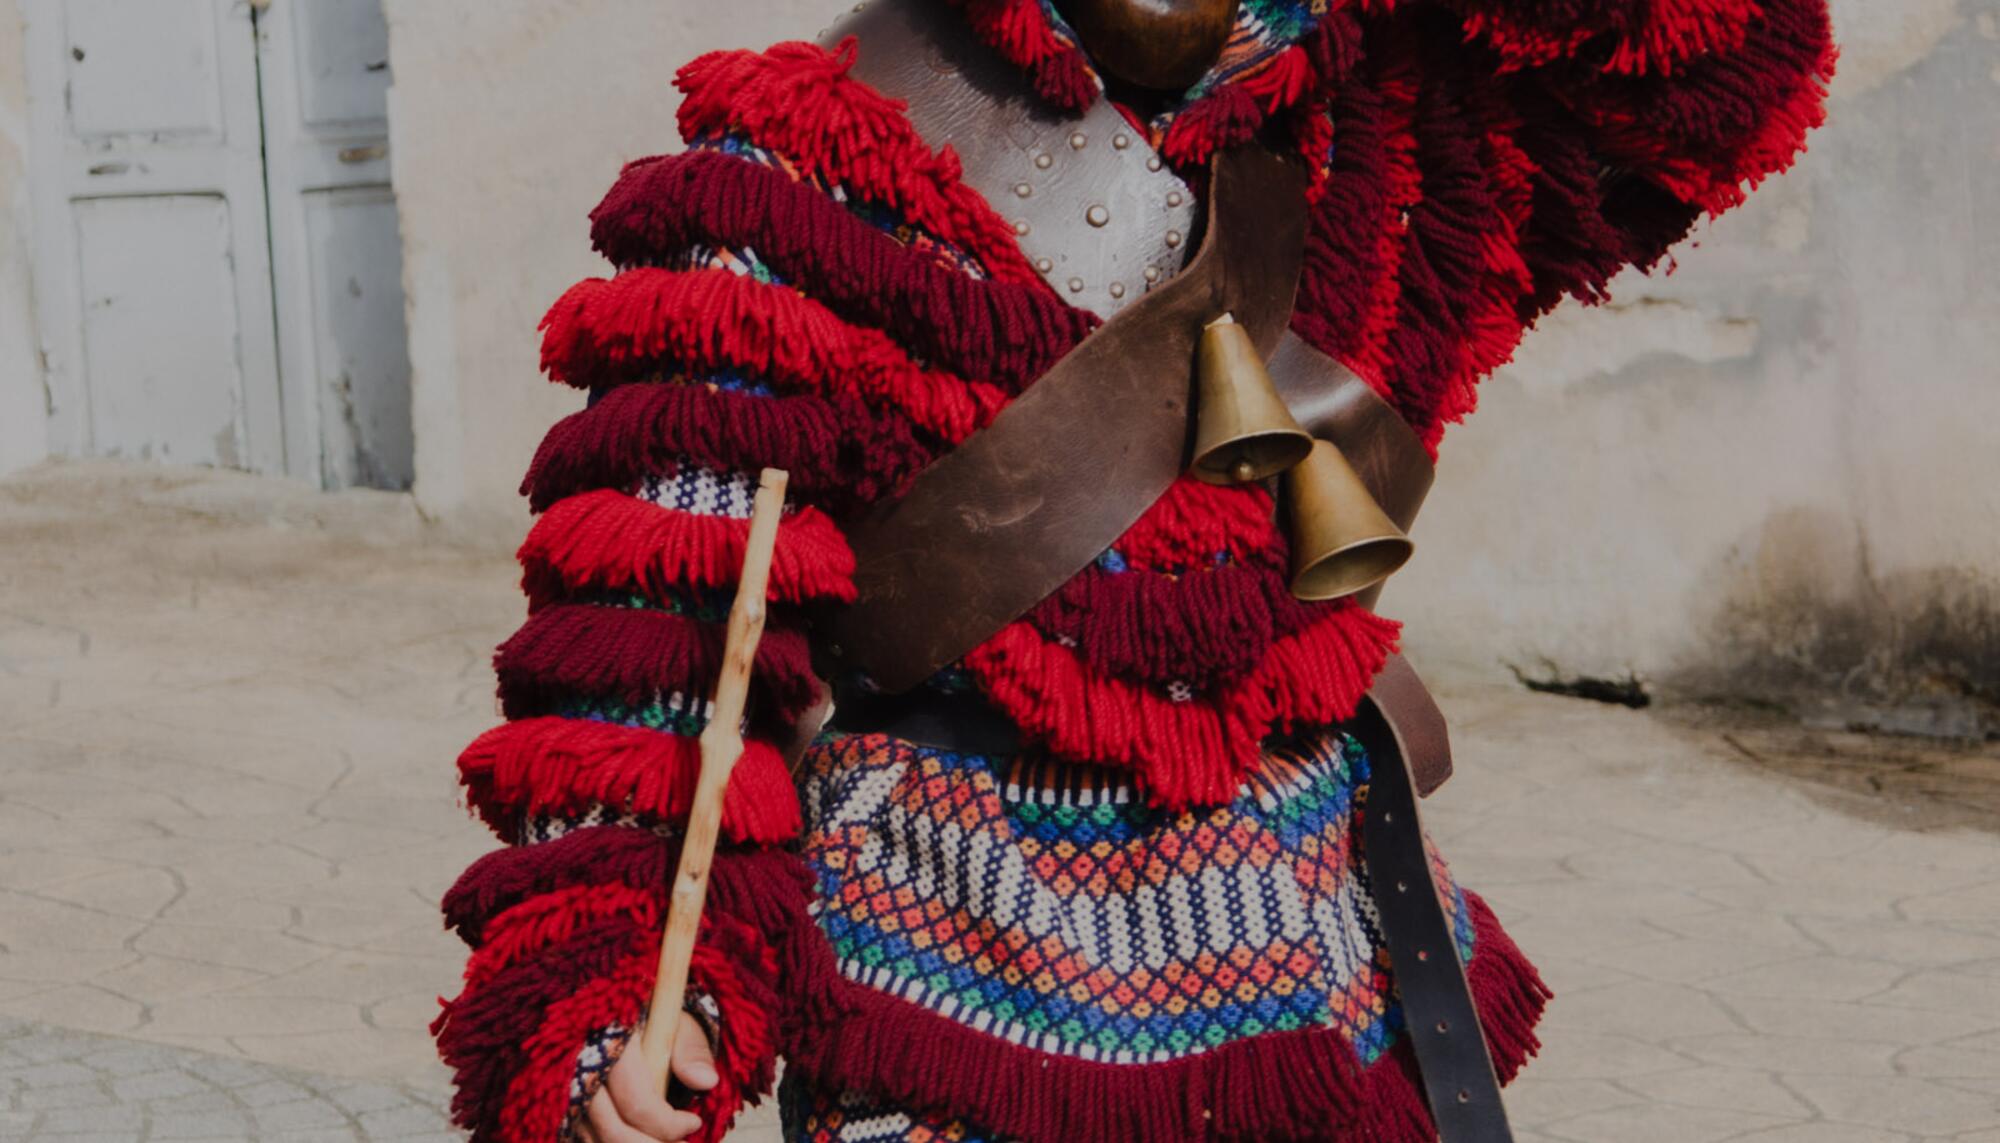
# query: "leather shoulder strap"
994,526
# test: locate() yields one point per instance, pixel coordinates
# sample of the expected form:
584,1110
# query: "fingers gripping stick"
721,747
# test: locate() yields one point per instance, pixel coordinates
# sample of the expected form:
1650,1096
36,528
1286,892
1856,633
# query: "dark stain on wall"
1800,617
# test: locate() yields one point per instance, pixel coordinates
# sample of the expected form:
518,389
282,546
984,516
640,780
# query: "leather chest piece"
1094,207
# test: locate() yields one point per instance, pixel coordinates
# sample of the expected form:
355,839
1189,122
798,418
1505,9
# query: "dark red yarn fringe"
1184,753
607,331
766,888
1550,145
839,452
1293,1085
607,540
582,916
798,100
1203,628
1004,332
481,1036
1021,34
635,654
512,1036
554,765
1196,521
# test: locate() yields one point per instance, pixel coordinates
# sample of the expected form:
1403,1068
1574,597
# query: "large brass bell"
1342,541
1243,431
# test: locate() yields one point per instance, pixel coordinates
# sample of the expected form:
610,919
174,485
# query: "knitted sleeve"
808,287
1492,157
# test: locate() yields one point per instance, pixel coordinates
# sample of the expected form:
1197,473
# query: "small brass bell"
1342,541
1243,431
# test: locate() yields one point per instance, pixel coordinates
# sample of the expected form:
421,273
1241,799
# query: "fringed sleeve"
1492,157
807,287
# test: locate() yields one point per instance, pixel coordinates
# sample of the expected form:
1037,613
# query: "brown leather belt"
1440,1019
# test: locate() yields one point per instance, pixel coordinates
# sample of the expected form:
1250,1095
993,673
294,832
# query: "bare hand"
628,1110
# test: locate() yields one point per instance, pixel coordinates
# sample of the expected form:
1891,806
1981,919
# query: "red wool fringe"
619,329
1193,521
840,453
1464,202
634,654
1200,628
1288,1085
539,924
1005,332
483,1034
610,541
1184,753
1639,38
537,1101
764,888
562,765
568,933
797,99
1019,31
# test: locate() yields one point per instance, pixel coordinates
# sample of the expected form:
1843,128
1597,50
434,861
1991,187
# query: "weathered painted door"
336,250
218,269
152,267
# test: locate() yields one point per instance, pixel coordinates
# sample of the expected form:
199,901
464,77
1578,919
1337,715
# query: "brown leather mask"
1165,45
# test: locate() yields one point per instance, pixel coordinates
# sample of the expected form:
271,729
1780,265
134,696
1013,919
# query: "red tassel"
797,100
537,1100
645,320
634,654
1020,32
1005,332
1188,753
841,453
534,926
565,766
607,540
1193,522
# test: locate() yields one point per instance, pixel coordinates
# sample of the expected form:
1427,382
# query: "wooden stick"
721,748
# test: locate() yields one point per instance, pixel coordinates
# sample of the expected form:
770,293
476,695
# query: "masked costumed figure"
1113,834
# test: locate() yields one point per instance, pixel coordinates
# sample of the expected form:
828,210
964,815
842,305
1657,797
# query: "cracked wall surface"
1771,472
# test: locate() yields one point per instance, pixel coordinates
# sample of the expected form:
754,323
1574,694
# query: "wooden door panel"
148,69
343,73
159,316
361,348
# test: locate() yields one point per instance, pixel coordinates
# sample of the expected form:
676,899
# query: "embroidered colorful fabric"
1030,948
812,1116
1064,914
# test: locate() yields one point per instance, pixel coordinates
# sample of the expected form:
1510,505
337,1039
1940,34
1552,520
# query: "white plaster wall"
1779,464
23,405
509,120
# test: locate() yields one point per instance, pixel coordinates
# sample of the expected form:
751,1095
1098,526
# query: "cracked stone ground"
228,710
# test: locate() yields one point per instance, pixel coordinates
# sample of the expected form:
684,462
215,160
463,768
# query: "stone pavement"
228,709
74,1086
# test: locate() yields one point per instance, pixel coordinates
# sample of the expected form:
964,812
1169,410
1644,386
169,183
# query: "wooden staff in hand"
721,747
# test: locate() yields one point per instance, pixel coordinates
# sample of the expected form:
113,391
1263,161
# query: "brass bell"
1342,540
1243,431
